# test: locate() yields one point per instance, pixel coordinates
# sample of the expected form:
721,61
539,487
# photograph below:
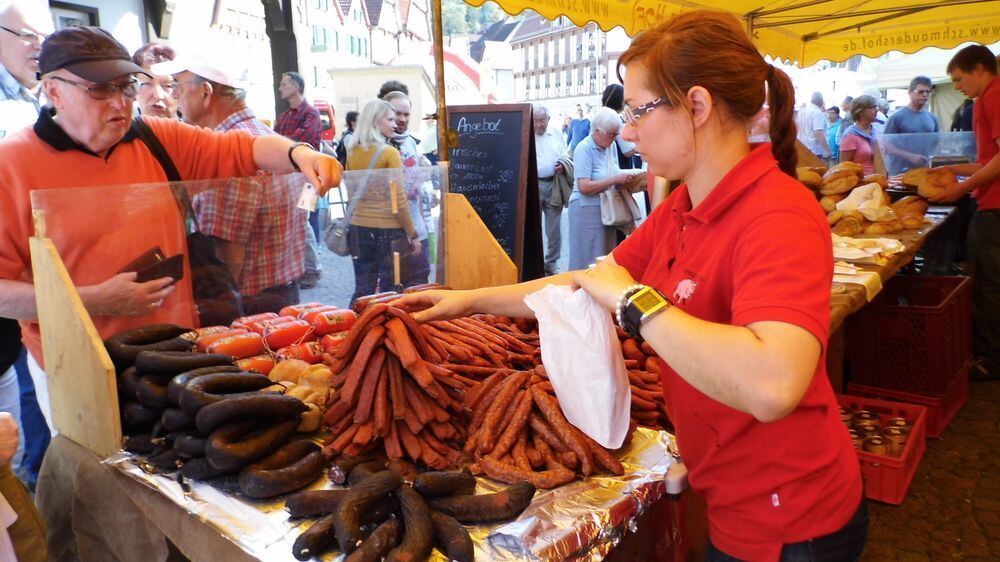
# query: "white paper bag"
584,361
867,199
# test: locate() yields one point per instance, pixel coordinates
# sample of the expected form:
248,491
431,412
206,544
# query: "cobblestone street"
952,509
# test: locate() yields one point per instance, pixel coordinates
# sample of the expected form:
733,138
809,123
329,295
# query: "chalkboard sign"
492,163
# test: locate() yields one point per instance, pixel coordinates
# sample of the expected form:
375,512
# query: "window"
336,40
578,41
322,5
526,62
319,38
315,76
567,39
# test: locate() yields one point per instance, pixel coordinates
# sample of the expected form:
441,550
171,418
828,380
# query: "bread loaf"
829,202
808,177
834,216
886,227
842,182
911,205
852,167
936,182
912,221
914,176
848,226
876,178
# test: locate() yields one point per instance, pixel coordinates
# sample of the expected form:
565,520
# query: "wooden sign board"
492,163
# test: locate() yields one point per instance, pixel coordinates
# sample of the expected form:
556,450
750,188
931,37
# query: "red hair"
712,50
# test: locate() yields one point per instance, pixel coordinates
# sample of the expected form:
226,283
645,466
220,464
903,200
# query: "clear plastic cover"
925,150
242,246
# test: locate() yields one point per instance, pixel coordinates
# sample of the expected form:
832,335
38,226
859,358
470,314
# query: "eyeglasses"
928,92
106,91
25,35
633,114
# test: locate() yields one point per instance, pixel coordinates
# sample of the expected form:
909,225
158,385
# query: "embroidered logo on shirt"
685,290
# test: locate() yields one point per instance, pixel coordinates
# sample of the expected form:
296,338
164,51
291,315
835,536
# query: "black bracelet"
293,147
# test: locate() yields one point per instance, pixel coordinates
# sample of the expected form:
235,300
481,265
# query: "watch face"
646,300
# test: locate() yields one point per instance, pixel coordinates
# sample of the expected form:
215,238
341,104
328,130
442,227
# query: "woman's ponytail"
781,101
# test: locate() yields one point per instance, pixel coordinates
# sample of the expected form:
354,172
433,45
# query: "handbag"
336,234
216,292
618,208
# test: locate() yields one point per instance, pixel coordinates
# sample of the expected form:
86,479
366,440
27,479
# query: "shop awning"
802,31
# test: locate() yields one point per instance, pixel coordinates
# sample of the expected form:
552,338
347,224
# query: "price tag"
308,198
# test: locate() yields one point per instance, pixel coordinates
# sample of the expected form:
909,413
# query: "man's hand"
122,296
559,169
415,246
8,438
319,169
953,192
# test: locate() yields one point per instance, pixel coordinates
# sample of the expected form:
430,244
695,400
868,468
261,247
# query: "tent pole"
442,112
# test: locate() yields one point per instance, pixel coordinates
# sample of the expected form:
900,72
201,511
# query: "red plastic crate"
887,478
940,409
915,336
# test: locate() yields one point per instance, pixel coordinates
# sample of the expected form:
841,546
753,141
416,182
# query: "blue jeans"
371,254
984,267
845,545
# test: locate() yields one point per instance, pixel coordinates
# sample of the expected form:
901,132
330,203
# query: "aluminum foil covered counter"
582,520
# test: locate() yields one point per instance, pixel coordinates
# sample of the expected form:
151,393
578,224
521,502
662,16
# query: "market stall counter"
220,421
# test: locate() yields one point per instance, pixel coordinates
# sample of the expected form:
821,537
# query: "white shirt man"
811,125
549,148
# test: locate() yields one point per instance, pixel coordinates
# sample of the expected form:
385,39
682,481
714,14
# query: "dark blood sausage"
124,347
208,389
364,470
201,469
452,538
381,541
359,499
316,540
238,444
343,466
418,531
444,483
175,419
140,444
165,364
165,460
189,446
313,502
178,382
151,393
295,465
138,416
502,505
251,406
128,384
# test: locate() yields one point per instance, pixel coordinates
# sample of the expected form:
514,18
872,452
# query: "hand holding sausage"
436,305
122,296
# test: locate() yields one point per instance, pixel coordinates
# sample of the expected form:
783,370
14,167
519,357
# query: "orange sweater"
99,231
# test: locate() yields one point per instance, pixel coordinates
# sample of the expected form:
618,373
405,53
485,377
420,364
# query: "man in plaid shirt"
256,220
301,122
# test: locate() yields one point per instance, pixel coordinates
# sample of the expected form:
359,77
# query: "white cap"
196,65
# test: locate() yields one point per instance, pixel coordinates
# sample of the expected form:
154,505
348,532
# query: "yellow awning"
802,31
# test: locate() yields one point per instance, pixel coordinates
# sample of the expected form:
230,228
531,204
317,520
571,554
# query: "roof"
374,10
499,31
345,6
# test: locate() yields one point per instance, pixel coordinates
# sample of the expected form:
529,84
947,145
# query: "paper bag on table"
584,361
868,200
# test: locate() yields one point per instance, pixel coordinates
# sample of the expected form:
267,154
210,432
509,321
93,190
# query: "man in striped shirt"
257,221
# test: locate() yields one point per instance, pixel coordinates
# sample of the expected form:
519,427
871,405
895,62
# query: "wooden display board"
473,257
492,163
81,377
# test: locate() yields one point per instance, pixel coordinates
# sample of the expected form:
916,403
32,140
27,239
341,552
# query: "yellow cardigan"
375,209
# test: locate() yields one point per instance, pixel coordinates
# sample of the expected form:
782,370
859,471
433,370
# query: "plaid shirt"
260,212
300,124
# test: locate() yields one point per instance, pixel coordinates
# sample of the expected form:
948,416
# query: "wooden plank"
81,377
473,256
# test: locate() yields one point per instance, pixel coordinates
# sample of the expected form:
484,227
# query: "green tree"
453,17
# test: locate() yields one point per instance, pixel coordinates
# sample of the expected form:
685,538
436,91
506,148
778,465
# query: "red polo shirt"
986,124
757,248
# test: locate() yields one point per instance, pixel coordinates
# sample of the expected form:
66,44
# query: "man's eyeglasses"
633,114
106,91
926,92
25,35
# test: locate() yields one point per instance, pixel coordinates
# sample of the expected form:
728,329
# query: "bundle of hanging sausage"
518,432
380,514
392,393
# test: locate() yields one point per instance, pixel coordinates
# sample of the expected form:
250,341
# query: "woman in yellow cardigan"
380,218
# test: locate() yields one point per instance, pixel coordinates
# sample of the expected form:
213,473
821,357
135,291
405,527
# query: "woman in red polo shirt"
729,281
